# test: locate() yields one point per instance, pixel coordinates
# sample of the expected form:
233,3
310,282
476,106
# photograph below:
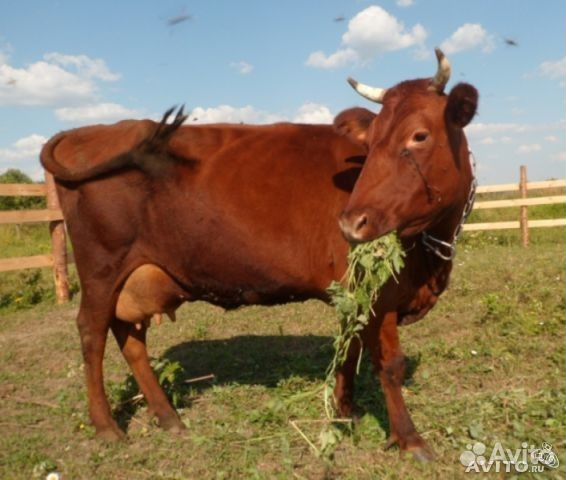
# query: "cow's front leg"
389,362
93,330
132,343
345,378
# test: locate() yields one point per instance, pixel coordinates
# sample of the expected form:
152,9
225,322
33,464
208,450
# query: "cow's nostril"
361,222
355,226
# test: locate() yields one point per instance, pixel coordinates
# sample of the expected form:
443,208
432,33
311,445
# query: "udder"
148,293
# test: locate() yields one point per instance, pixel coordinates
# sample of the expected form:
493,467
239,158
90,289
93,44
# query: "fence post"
524,221
58,244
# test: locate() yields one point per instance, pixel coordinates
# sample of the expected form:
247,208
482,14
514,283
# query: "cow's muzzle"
356,226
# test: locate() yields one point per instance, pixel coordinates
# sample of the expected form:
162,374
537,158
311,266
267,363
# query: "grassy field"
486,365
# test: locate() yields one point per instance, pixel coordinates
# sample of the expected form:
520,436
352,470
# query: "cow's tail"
164,130
155,143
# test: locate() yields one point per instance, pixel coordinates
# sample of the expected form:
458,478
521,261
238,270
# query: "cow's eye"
420,136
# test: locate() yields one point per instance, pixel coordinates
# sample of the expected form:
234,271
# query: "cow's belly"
232,270
236,258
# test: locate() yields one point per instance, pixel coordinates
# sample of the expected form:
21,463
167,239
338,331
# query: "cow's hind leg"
389,362
132,343
93,331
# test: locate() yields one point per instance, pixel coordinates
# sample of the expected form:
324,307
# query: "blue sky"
70,63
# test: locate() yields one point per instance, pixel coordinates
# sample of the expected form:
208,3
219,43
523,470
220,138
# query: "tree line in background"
14,175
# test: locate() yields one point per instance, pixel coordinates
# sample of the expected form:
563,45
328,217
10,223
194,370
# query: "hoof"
349,410
391,441
356,414
423,454
110,435
172,424
414,445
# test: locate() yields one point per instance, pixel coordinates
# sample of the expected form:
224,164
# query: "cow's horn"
442,76
371,93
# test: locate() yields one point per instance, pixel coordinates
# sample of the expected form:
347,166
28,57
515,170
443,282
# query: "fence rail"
557,222
520,202
511,187
523,187
21,263
22,190
59,258
30,216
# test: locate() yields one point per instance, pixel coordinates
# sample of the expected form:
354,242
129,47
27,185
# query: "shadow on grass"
254,360
266,361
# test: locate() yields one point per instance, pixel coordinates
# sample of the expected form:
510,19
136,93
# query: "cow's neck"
441,238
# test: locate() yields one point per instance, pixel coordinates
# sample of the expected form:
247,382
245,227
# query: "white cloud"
86,67
518,143
243,68
469,36
558,157
24,149
522,138
553,70
482,130
229,114
529,148
55,80
405,3
41,84
96,113
514,133
375,31
339,59
371,32
306,113
313,113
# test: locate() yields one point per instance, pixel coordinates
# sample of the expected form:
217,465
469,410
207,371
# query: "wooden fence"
59,258
523,187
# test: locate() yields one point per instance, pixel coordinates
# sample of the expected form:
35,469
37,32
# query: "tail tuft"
164,130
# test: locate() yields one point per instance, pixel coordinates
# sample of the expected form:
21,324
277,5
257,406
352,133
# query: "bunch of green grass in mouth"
370,266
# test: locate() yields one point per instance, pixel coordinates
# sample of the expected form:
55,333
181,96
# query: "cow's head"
417,169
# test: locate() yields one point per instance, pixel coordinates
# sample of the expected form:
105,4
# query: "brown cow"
159,214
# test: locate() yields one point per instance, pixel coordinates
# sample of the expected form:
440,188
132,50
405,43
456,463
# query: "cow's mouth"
364,227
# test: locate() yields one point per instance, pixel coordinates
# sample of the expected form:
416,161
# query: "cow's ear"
462,104
354,123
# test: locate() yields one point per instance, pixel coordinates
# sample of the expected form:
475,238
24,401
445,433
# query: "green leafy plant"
25,289
370,266
170,376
